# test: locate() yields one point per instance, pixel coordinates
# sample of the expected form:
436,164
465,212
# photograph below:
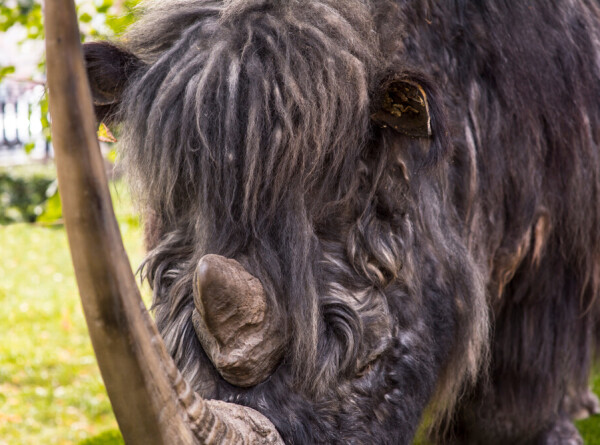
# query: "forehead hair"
243,105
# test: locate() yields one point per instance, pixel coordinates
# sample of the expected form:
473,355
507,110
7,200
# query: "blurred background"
51,391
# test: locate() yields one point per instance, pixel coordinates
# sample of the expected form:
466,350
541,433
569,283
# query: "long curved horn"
153,404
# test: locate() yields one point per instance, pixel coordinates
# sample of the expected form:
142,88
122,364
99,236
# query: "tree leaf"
105,135
53,206
6,70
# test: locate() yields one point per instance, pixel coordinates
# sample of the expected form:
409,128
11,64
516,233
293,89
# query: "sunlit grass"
590,427
50,387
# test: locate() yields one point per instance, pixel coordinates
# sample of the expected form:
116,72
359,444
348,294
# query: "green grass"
590,427
110,437
50,387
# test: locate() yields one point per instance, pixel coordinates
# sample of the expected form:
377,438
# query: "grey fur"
247,134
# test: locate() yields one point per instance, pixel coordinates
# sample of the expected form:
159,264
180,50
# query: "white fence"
22,139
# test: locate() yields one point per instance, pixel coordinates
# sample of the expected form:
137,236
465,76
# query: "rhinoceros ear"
109,69
403,108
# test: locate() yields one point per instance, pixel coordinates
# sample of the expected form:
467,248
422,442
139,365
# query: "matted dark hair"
248,133
251,115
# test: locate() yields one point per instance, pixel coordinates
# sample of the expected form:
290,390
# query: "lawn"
50,387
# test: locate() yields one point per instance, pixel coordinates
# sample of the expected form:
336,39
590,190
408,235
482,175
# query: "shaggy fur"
247,133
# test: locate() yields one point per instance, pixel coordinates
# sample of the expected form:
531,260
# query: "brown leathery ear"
109,69
403,107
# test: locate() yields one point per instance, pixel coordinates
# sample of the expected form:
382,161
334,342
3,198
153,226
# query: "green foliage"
6,70
23,197
52,207
29,147
98,19
27,13
118,22
45,121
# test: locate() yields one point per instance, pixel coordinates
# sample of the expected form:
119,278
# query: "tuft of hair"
249,115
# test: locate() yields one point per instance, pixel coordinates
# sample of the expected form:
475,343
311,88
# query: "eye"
404,109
